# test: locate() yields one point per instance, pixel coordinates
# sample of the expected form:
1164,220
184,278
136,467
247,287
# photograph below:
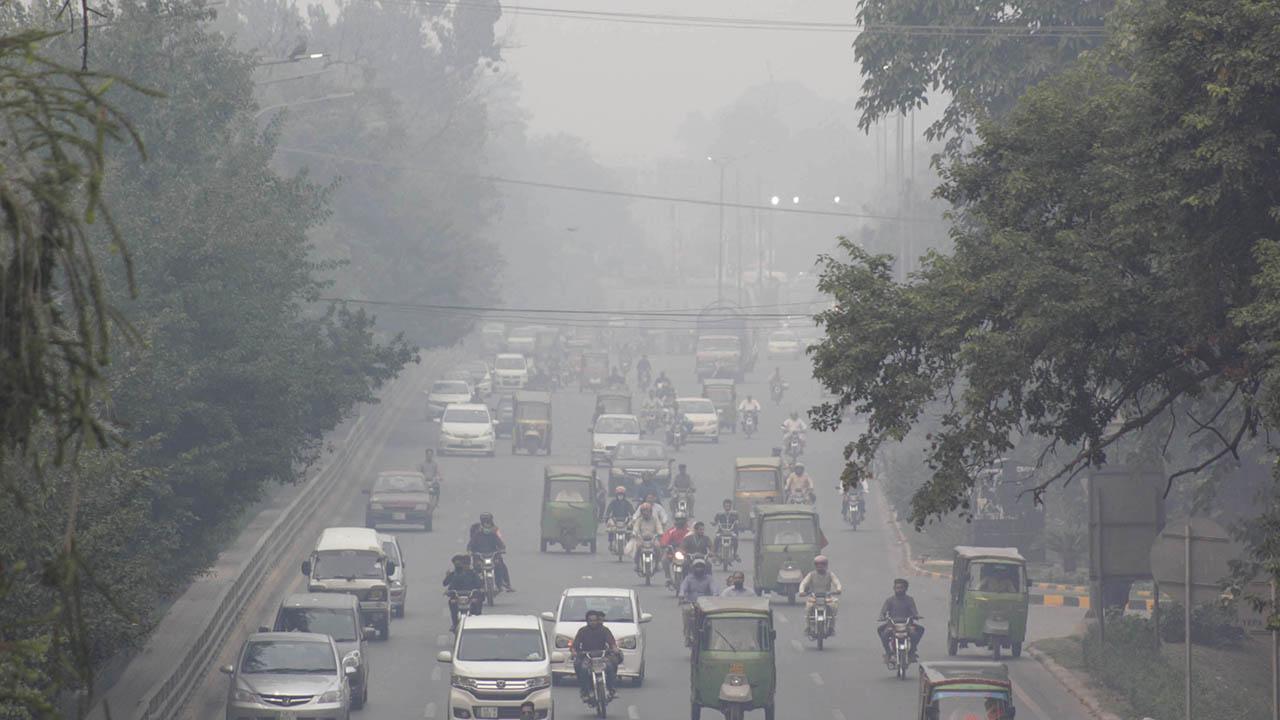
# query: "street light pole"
720,243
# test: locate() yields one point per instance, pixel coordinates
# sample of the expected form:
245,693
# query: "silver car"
338,616
289,676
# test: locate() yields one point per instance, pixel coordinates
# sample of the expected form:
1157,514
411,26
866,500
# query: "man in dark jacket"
594,637
462,579
899,607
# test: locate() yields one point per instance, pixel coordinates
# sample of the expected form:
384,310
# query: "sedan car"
467,429
338,616
784,344
701,414
610,430
444,393
400,497
289,675
633,460
399,587
621,608
481,377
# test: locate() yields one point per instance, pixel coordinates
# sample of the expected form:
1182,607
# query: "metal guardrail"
167,697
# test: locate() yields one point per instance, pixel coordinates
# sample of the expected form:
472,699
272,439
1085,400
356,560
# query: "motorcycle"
642,378
900,646
687,616
651,419
599,696
724,546
624,366
468,603
852,508
818,622
678,562
648,558
618,536
682,502
776,389
487,563
677,434
793,447
801,498
750,421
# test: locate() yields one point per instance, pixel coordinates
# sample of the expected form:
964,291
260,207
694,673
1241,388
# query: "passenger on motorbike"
645,523
594,637
899,607
727,519
697,542
651,497
463,580
682,479
485,539
736,586
620,509
799,484
822,580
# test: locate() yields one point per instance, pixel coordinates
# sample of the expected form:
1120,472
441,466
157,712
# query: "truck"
726,344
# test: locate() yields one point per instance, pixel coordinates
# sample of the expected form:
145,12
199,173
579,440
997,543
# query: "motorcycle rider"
776,383
485,539
794,425
430,469
645,523
899,607
697,542
799,483
644,370
659,512
620,509
727,519
821,580
462,579
594,637
736,586
749,406
671,540
698,583
683,482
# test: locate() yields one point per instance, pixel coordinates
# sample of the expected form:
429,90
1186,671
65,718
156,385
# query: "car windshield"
718,343
337,623
617,426
641,451
736,635
615,609
400,484
510,363
501,645
697,407
995,577
392,551
719,394
532,411
757,481
569,491
789,531
347,564
450,387
288,656
465,415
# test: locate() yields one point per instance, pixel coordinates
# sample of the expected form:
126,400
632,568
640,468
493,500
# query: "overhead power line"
691,314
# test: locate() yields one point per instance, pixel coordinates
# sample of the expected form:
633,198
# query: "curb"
1073,684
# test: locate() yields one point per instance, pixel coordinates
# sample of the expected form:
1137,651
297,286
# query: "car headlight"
397,583
539,682
331,696
376,594
375,506
563,641
627,643
244,696
462,681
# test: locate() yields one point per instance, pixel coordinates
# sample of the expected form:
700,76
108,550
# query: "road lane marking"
795,645
444,640
817,679
435,674
837,714
1030,704
633,712
429,712
782,618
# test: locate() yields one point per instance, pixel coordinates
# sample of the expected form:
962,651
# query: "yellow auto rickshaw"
531,410
756,480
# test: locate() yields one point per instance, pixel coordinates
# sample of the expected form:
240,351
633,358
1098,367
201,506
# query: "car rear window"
337,623
450,387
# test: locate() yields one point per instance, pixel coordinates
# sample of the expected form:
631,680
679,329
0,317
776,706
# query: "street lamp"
722,163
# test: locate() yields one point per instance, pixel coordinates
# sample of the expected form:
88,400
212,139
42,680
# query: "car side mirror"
549,616
444,656
263,628
646,617
391,567
226,670
558,658
306,568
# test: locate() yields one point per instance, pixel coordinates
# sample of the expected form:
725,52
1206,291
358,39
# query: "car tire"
1016,649
357,701
640,677
953,646
384,629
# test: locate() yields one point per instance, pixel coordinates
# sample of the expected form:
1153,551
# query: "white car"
467,428
511,371
444,393
784,344
701,414
621,608
610,430
399,588
499,662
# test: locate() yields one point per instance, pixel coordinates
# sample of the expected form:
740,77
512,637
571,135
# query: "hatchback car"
444,393
498,663
784,344
337,616
467,429
399,587
289,675
400,497
621,608
702,416
610,430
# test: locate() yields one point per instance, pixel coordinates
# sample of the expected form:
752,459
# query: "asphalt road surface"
846,680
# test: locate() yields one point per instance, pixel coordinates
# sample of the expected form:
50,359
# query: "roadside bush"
1212,624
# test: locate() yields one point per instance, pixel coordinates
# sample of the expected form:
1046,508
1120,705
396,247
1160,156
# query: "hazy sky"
628,88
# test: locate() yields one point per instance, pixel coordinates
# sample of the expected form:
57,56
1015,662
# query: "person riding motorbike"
659,512
727,519
821,580
776,383
430,469
794,425
644,370
698,583
620,509
645,523
799,483
736,586
671,539
683,482
697,542
749,407
899,607
487,538
462,579
594,637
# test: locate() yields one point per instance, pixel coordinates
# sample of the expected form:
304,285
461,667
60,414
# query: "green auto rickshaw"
732,669
531,432
723,394
965,690
569,507
756,480
787,539
988,600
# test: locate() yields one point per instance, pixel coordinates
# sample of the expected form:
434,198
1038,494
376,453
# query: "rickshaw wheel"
953,645
696,713
791,598
768,712
1016,649
592,545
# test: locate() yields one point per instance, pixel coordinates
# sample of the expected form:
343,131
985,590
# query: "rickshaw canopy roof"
990,553
721,605
533,396
570,472
773,463
718,382
791,509
970,670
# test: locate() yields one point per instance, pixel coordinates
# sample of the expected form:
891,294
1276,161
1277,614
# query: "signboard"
1126,513
1212,550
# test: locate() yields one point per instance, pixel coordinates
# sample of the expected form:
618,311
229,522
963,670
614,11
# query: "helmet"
682,466
486,518
699,525
620,490
460,559
699,563
820,560
594,613
799,467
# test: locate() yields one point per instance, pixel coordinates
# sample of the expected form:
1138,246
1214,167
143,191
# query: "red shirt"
675,536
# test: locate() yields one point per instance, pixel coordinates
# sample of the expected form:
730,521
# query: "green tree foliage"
1112,266
981,55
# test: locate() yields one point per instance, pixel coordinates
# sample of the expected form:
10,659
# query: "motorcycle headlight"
627,643
397,583
539,682
679,556
331,696
244,696
563,641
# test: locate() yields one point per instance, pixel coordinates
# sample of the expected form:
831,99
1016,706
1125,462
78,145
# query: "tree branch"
1228,448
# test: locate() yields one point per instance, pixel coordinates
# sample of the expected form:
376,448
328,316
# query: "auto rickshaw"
733,668
787,539
569,507
613,401
505,415
965,690
532,424
594,369
756,480
989,600
724,395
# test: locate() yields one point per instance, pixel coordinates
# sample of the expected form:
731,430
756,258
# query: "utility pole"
720,243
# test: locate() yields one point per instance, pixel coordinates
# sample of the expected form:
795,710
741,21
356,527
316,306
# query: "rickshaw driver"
728,520
594,637
485,539
822,580
799,483
619,509
736,586
899,606
645,523
998,578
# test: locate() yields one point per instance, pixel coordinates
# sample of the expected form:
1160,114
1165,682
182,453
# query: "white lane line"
633,712
817,679
1030,704
795,645
435,674
782,618
837,714
429,712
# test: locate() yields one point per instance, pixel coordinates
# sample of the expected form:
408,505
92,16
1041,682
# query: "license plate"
486,712
397,516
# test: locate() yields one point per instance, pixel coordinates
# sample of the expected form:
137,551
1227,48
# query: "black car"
633,460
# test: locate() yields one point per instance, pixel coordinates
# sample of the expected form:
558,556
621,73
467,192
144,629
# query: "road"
846,680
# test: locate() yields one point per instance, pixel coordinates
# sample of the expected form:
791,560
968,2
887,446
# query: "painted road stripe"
1026,701
435,674
817,679
429,712
633,712
837,714
795,645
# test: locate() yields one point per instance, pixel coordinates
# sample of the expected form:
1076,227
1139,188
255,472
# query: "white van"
500,662
511,370
351,560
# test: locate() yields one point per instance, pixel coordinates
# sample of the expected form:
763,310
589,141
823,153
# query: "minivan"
498,663
351,560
